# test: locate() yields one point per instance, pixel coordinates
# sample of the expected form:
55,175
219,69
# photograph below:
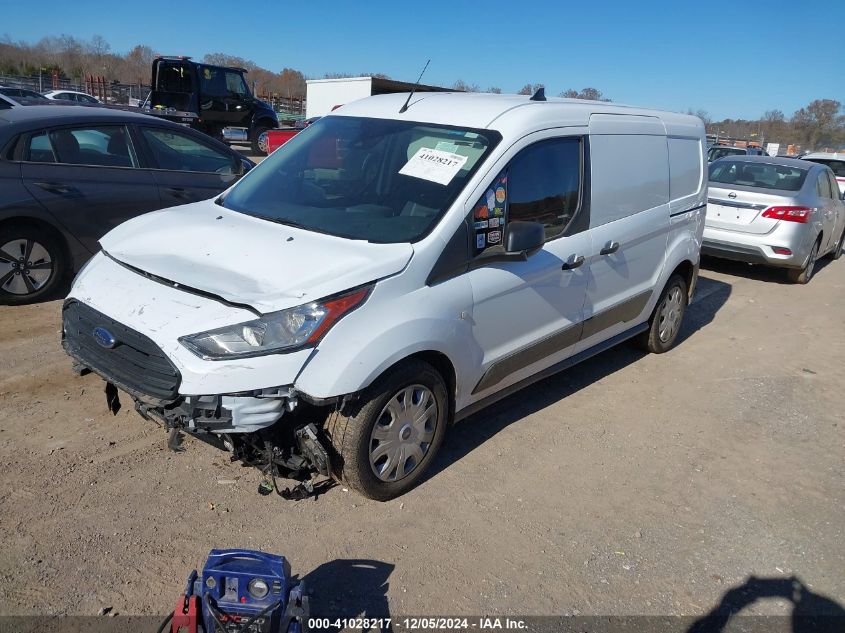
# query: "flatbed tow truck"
213,99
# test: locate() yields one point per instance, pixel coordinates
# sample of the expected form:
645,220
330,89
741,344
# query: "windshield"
378,180
717,152
761,175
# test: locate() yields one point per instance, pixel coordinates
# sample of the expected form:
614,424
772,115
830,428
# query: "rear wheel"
837,251
383,447
667,318
803,275
259,141
32,265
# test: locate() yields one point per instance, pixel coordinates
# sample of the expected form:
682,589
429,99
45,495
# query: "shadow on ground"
811,612
755,271
349,588
471,433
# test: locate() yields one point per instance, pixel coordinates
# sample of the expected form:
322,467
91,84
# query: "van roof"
501,112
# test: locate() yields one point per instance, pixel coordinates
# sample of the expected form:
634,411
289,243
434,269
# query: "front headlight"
281,331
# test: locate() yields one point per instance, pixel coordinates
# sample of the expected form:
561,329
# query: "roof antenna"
408,100
540,95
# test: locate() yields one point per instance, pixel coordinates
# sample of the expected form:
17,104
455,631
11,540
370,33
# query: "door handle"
610,248
177,192
54,187
574,262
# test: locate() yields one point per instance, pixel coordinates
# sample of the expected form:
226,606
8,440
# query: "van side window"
685,167
544,183
541,184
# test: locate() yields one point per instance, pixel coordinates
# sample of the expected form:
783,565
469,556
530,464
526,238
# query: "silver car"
775,211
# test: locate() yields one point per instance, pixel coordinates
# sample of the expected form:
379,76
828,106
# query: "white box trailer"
324,95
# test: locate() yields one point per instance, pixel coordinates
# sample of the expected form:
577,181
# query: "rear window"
759,175
837,166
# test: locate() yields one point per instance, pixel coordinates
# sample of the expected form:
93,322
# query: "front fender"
370,340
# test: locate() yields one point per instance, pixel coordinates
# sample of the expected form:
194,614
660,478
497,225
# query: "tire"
836,253
668,317
357,436
257,142
804,275
41,273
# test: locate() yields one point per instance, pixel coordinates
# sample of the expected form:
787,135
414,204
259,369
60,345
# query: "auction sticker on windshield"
434,165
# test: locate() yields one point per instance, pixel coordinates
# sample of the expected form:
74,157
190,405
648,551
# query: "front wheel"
667,318
383,447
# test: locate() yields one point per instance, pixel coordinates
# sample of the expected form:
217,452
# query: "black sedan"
69,174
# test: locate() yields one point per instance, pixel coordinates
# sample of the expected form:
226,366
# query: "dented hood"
248,260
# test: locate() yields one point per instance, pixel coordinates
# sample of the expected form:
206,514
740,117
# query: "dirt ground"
631,484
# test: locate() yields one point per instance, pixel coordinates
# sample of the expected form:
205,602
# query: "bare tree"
462,86
494,90
590,94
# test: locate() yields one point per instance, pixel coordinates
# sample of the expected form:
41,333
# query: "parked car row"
69,174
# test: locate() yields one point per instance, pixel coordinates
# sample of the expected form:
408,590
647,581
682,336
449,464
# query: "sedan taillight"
790,214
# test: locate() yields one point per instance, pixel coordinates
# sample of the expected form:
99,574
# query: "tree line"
74,59
819,124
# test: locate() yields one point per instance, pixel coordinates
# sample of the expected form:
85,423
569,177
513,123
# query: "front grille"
134,363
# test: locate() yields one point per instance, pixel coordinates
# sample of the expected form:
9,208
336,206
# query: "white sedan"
835,161
72,95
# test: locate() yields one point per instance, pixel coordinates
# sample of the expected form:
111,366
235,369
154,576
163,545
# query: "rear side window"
756,174
101,146
823,186
684,167
715,153
175,151
39,149
630,174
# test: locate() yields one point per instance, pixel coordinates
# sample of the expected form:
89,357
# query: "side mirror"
524,237
246,165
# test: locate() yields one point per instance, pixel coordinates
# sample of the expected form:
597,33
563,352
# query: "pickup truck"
215,100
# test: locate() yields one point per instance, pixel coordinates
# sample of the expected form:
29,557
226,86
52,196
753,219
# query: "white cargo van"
391,271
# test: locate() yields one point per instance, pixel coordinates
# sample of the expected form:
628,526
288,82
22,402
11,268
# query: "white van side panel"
630,175
630,207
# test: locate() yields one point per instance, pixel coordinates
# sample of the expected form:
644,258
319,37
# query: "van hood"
247,260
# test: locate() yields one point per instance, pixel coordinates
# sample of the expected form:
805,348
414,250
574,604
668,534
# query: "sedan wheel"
30,265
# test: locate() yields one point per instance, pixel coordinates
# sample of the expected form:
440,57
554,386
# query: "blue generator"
245,591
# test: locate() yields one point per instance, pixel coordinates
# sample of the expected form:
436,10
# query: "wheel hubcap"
263,142
25,267
670,315
403,433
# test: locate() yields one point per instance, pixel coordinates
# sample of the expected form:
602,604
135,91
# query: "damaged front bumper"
239,413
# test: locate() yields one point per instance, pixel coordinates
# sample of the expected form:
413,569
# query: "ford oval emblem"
104,338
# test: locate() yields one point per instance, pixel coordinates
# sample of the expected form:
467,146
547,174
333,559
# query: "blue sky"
733,59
